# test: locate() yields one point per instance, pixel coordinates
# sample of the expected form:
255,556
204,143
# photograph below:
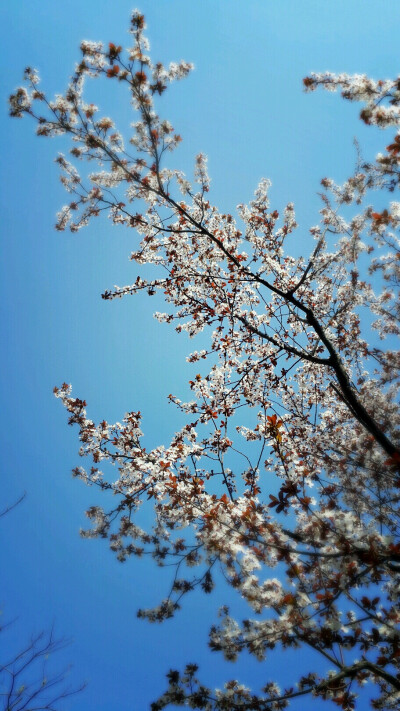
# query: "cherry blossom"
286,473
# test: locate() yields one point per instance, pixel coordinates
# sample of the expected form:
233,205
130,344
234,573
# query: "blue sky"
244,106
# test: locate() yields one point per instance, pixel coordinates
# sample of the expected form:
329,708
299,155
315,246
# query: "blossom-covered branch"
290,455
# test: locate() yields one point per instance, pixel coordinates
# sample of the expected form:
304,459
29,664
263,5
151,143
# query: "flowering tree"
290,455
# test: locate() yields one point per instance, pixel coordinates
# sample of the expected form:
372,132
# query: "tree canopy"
286,473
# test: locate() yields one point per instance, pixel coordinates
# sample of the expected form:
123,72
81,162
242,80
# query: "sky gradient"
244,106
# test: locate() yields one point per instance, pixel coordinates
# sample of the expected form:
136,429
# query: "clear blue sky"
244,106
